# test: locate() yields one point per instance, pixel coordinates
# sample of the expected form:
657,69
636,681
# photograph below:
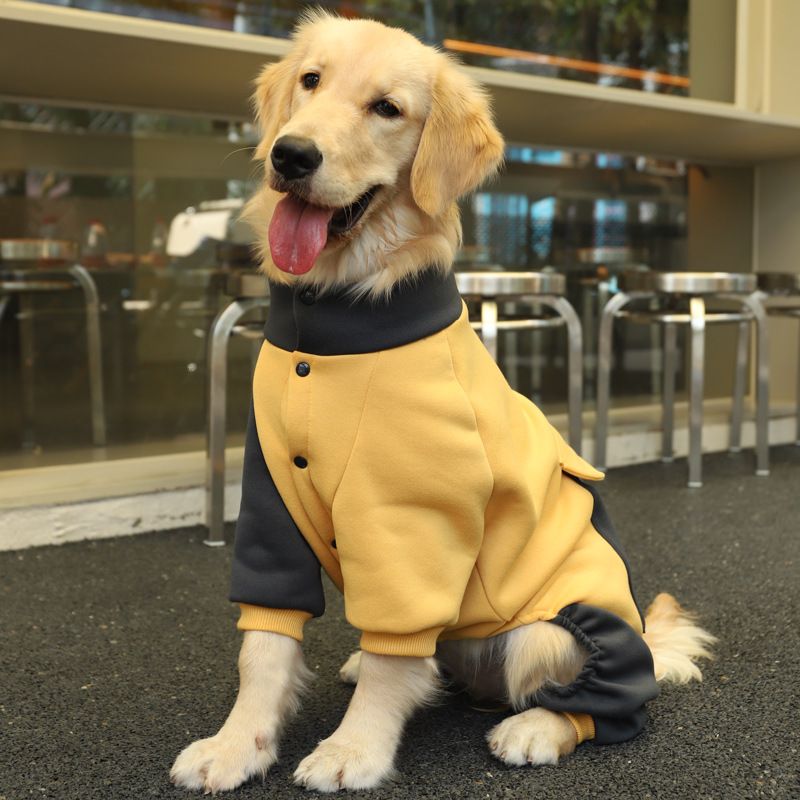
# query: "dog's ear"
272,101
460,145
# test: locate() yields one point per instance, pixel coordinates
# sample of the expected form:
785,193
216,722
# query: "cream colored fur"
444,145
360,753
675,641
515,665
272,676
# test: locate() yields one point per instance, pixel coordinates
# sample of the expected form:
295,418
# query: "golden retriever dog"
455,561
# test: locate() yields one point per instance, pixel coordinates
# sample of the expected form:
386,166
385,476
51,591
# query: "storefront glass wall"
637,44
119,183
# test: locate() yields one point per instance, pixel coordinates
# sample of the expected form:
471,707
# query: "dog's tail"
675,641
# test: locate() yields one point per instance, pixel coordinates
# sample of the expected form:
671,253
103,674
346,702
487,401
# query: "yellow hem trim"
583,724
420,644
286,621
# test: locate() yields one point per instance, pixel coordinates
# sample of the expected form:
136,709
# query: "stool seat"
693,284
37,250
535,290
17,282
523,323
509,284
683,318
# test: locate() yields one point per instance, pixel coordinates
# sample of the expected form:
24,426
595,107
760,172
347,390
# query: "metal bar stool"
250,291
45,271
773,286
692,289
533,288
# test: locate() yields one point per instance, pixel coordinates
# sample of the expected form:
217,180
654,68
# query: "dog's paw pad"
536,737
336,764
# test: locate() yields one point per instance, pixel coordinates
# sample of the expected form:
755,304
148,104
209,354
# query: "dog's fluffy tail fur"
675,641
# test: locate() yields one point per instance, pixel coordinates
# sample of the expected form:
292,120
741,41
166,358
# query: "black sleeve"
273,565
618,677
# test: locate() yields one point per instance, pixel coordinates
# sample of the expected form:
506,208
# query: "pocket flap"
572,463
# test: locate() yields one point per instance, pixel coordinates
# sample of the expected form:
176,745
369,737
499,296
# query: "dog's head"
368,137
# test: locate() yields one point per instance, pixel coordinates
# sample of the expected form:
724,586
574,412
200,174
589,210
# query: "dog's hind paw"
536,736
337,764
348,672
223,762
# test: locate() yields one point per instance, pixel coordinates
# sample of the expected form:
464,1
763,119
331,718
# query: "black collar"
334,323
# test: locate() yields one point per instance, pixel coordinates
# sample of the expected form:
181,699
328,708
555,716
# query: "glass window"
638,44
152,202
590,216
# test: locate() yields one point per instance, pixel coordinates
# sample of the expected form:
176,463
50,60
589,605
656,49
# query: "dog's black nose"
294,157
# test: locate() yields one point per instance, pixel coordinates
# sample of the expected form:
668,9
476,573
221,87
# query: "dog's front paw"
343,763
223,762
536,736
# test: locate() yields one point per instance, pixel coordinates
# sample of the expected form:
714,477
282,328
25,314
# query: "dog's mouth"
300,230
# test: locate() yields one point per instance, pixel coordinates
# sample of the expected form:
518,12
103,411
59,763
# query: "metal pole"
218,338
27,355
755,302
604,375
94,348
668,391
697,311
737,411
574,366
489,327
797,429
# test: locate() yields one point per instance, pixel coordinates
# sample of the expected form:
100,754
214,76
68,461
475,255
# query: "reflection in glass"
152,202
638,44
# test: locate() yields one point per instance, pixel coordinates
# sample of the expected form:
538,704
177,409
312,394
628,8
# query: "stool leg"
574,366
218,338
755,303
536,356
511,353
27,355
697,310
656,377
489,327
604,375
737,412
95,352
668,391
797,430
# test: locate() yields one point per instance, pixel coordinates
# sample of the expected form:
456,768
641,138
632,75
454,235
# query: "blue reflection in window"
542,214
610,217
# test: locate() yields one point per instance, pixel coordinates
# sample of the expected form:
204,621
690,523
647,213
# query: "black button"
333,544
303,368
308,296
301,462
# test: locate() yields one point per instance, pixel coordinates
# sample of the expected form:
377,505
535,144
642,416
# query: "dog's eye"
310,80
386,109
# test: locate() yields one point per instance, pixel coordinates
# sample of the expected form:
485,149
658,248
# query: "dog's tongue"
297,234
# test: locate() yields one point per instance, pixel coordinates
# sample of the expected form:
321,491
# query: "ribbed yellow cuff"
583,724
420,644
277,620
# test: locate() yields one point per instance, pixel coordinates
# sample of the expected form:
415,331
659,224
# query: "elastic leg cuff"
583,724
